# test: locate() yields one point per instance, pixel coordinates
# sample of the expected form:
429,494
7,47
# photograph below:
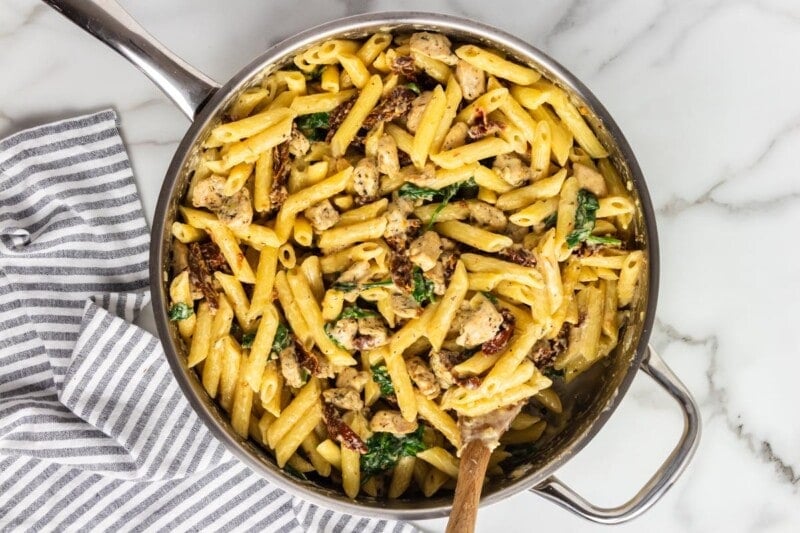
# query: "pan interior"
588,400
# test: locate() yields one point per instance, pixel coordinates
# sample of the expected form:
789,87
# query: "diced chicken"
398,226
290,368
425,177
433,45
405,306
355,273
366,179
344,332
371,333
471,79
343,398
457,136
437,276
208,192
388,161
423,377
517,233
482,324
237,210
512,169
417,108
487,216
391,422
322,215
441,363
234,211
590,179
352,378
425,250
298,143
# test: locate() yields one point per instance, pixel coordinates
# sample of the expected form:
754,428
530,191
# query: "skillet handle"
553,489
108,21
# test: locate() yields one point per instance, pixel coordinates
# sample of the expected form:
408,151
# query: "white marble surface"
707,93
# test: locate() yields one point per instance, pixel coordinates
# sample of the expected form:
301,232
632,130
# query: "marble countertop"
706,93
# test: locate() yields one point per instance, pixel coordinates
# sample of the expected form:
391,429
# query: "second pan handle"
108,21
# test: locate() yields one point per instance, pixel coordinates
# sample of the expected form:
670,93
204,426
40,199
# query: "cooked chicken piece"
398,226
424,178
366,179
352,378
417,108
441,363
590,179
512,169
290,368
234,211
457,136
437,276
487,216
322,215
355,273
237,210
405,306
391,422
343,398
298,143
388,162
344,332
471,79
425,250
423,377
208,192
482,324
371,333
517,233
433,45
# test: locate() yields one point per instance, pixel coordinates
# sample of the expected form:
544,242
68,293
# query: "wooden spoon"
479,436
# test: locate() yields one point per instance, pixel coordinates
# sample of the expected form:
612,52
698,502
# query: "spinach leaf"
314,126
489,296
283,338
584,217
292,471
354,311
415,192
608,241
552,373
347,286
423,287
550,220
380,375
384,450
180,311
247,340
413,86
328,327
314,75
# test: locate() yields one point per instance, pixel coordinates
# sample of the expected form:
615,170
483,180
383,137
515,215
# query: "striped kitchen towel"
94,431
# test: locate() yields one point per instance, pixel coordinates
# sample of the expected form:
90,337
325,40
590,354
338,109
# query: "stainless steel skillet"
592,398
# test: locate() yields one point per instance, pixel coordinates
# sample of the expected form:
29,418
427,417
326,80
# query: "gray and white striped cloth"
94,431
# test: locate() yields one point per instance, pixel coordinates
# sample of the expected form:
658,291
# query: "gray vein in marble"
567,21
30,17
677,205
718,396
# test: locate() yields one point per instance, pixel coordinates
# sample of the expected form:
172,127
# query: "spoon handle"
474,460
